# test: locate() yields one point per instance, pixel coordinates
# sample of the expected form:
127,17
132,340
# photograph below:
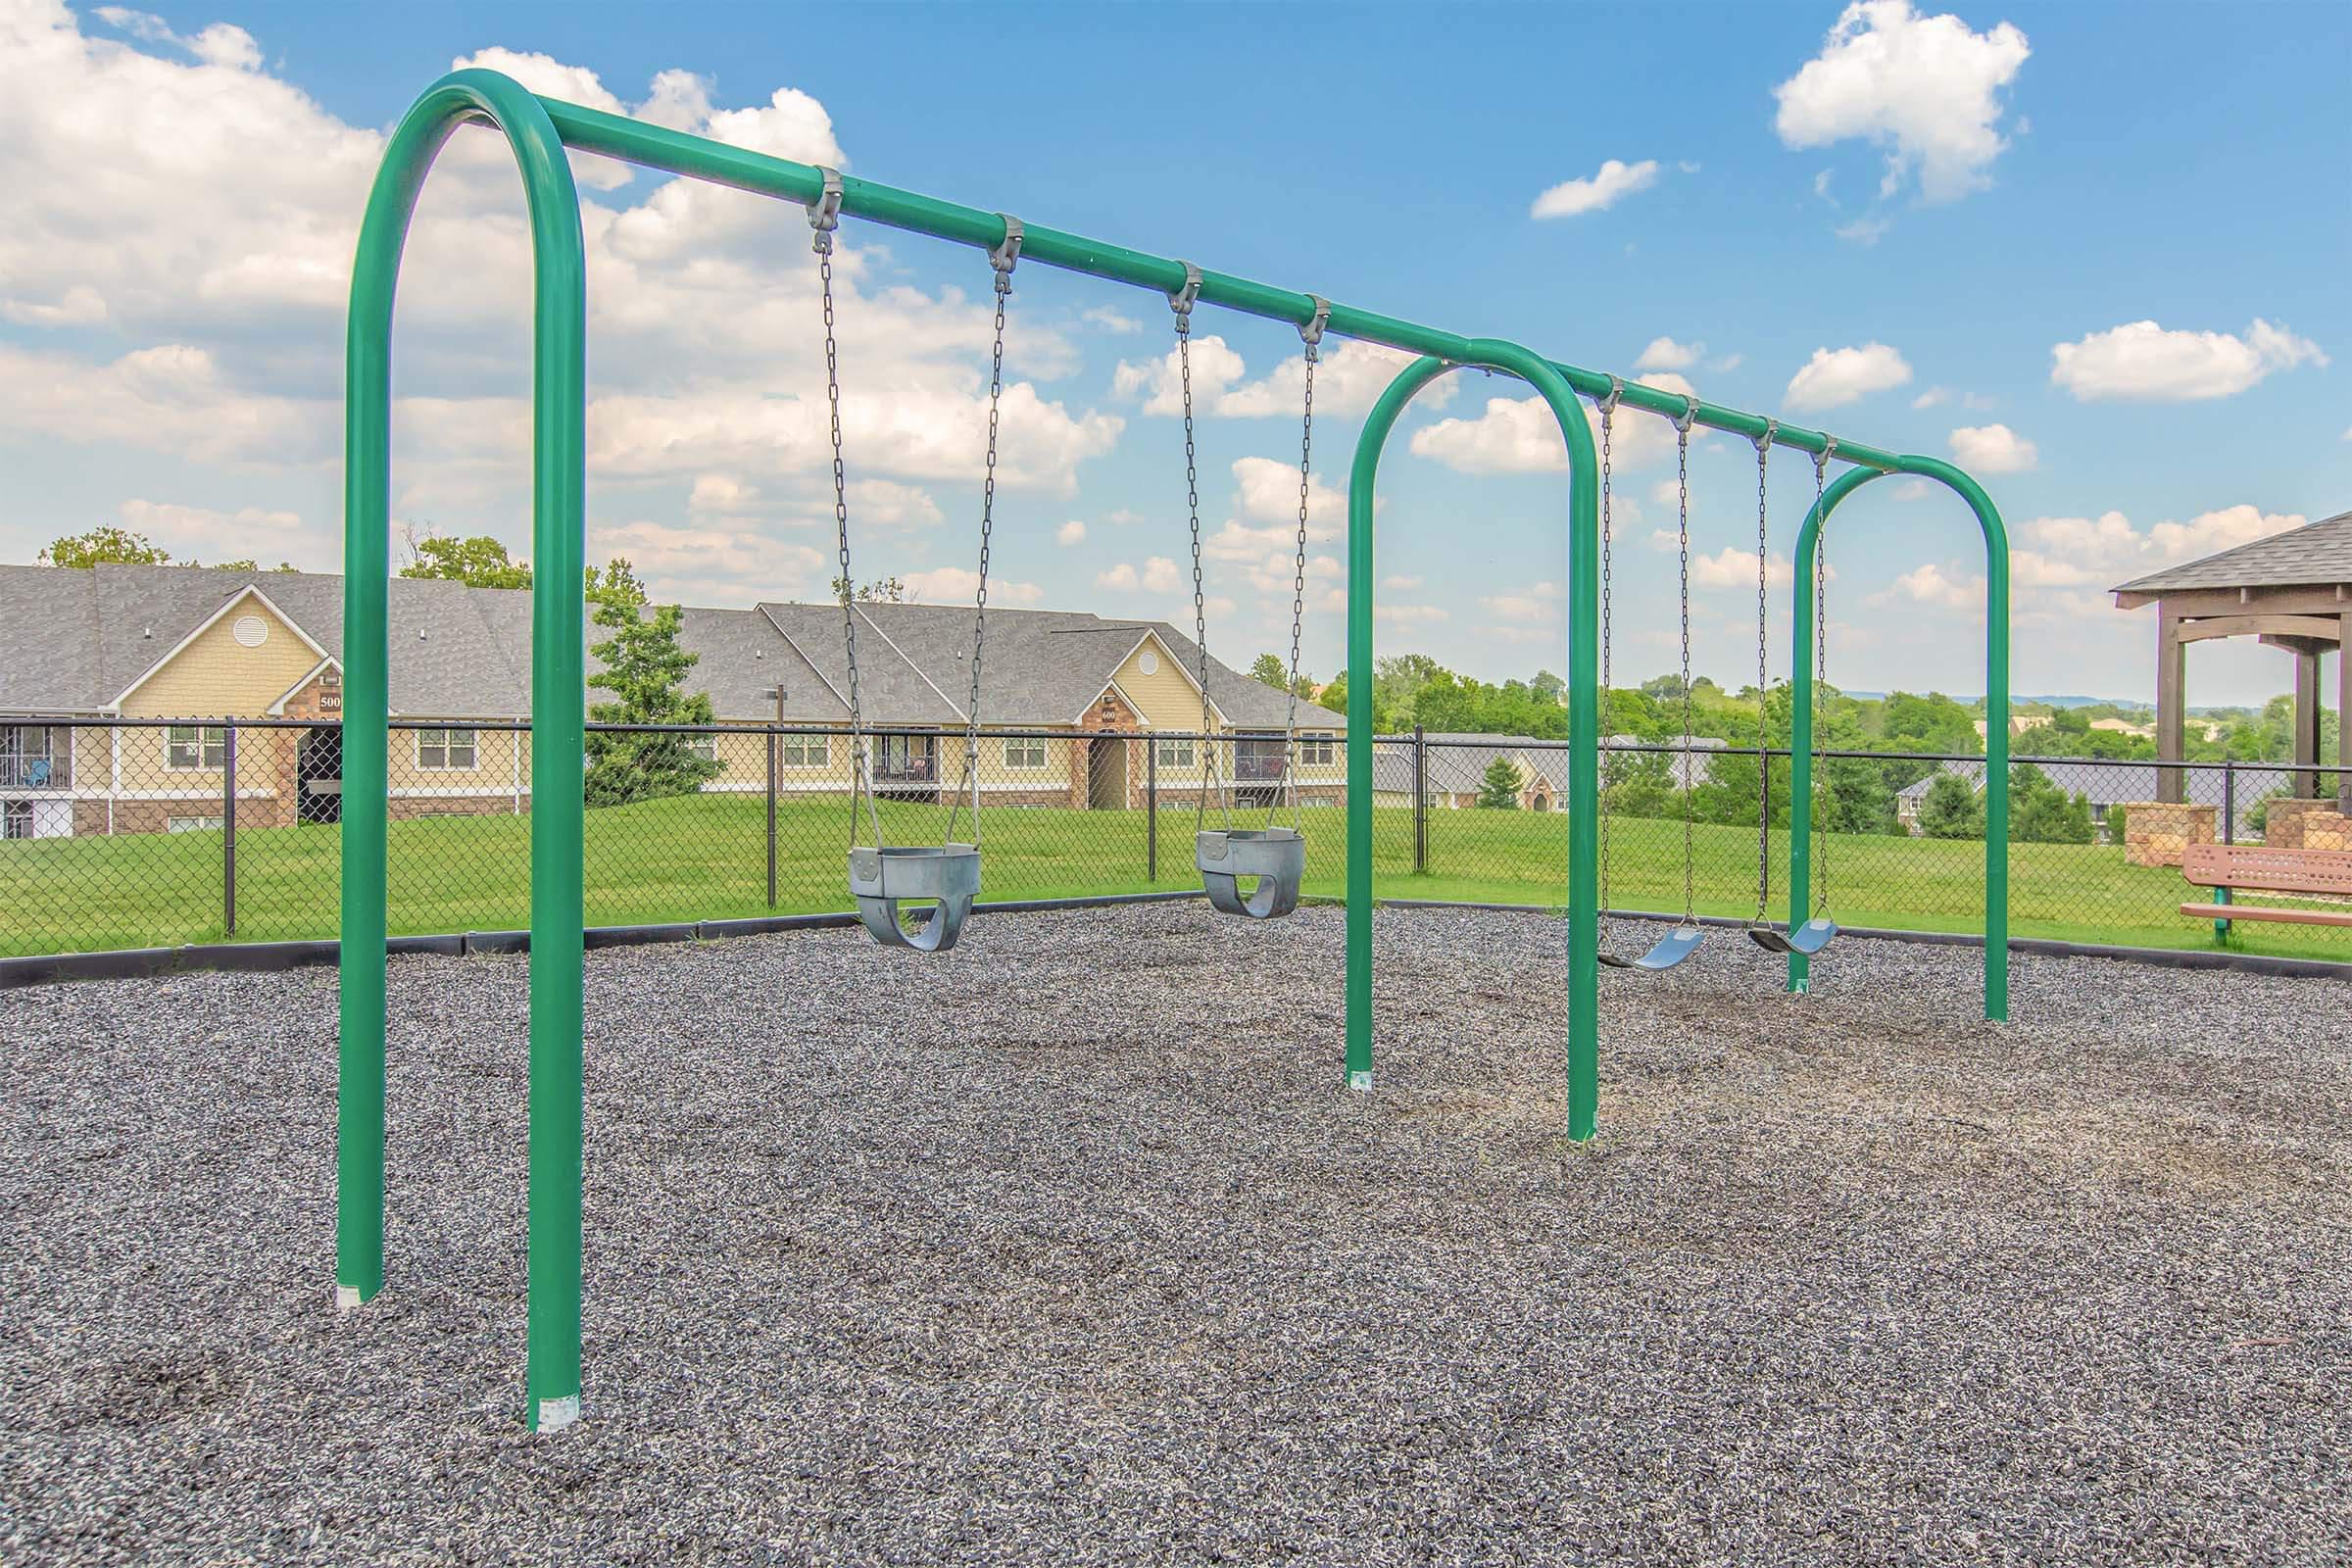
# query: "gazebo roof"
2317,553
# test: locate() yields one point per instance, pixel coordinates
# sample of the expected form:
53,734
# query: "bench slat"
2261,911
2267,869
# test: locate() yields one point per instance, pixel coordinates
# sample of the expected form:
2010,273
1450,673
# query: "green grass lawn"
705,858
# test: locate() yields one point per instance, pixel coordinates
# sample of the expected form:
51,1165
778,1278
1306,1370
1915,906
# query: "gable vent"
250,631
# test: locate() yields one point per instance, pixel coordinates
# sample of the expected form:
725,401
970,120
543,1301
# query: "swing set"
885,878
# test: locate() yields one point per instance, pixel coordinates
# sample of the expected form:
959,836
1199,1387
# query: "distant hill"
1964,699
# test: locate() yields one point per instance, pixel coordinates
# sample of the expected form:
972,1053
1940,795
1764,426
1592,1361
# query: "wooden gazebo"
2292,591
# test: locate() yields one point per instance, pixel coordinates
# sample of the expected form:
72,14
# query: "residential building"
2106,785
200,644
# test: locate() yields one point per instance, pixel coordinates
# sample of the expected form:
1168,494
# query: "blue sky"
1958,219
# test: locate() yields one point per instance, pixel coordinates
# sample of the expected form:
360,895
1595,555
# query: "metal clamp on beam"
824,212
1006,256
1181,302
1684,420
1821,459
1312,332
1771,428
1608,405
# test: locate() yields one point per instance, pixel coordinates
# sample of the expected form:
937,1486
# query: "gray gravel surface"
1070,1248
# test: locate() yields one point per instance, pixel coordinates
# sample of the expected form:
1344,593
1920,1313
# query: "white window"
705,747
193,746
1025,750
1177,753
193,824
15,819
1316,750
802,750
446,750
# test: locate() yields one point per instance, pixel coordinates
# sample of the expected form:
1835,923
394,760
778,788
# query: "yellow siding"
497,755
217,675
1167,697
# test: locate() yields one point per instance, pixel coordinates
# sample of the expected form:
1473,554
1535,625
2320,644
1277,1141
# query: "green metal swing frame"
541,131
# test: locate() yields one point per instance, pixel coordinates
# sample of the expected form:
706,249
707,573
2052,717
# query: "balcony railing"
34,773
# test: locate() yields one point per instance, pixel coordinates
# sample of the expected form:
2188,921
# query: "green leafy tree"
249,564
1952,809
1499,791
1548,687
882,590
1269,668
645,669
2040,812
480,561
110,546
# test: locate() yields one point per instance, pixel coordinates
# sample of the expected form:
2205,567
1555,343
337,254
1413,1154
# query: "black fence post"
1420,800
229,828
1152,810
776,744
2229,802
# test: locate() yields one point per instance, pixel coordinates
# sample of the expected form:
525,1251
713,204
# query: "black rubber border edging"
252,957
130,963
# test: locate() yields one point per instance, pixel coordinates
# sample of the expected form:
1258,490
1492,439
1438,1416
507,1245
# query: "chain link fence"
154,833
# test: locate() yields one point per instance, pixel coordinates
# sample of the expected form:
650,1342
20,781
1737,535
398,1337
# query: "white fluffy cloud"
191,215
1992,449
1833,378
1924,90
1732,567
1540,605
1518,435
249,533
1665,354
2064,565
716,566
2142,362
1070,533
1612,183
1350,376
947,585
1409,614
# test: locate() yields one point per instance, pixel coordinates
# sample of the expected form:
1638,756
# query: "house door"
319,775
1106,775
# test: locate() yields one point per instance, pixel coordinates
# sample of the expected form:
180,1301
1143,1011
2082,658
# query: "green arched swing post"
1996,716
539,130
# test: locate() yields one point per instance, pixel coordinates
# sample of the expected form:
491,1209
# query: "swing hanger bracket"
824,212
1821,459
1772,429
1006,256
1684,420
1311,333
1608,405
1181,300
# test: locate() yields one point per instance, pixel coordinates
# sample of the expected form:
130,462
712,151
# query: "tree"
112,546
480,561
1269,668
1952,809
2040,812
1499,791
882,590
645,669
249,564
1548,688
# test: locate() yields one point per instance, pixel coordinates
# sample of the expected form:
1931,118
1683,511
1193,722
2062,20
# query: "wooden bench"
2316,872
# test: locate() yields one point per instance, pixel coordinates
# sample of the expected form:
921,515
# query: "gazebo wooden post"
2307,717
2343,710
2171,709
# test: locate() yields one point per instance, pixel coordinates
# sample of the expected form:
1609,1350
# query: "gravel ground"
1070,1249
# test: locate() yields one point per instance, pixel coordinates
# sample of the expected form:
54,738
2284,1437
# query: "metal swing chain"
1003,258
1763,681
1820,654
1181,303
1608,755
1311,336
1681,464
824,217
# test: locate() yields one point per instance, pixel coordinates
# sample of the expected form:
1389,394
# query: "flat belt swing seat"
1808,939
2260,866
1664,954
880,879
1275,855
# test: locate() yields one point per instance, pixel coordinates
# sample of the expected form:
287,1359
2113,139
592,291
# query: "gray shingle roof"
72,641
2317,553
2106,783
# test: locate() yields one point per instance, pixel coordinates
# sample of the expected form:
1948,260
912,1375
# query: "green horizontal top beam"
674,152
